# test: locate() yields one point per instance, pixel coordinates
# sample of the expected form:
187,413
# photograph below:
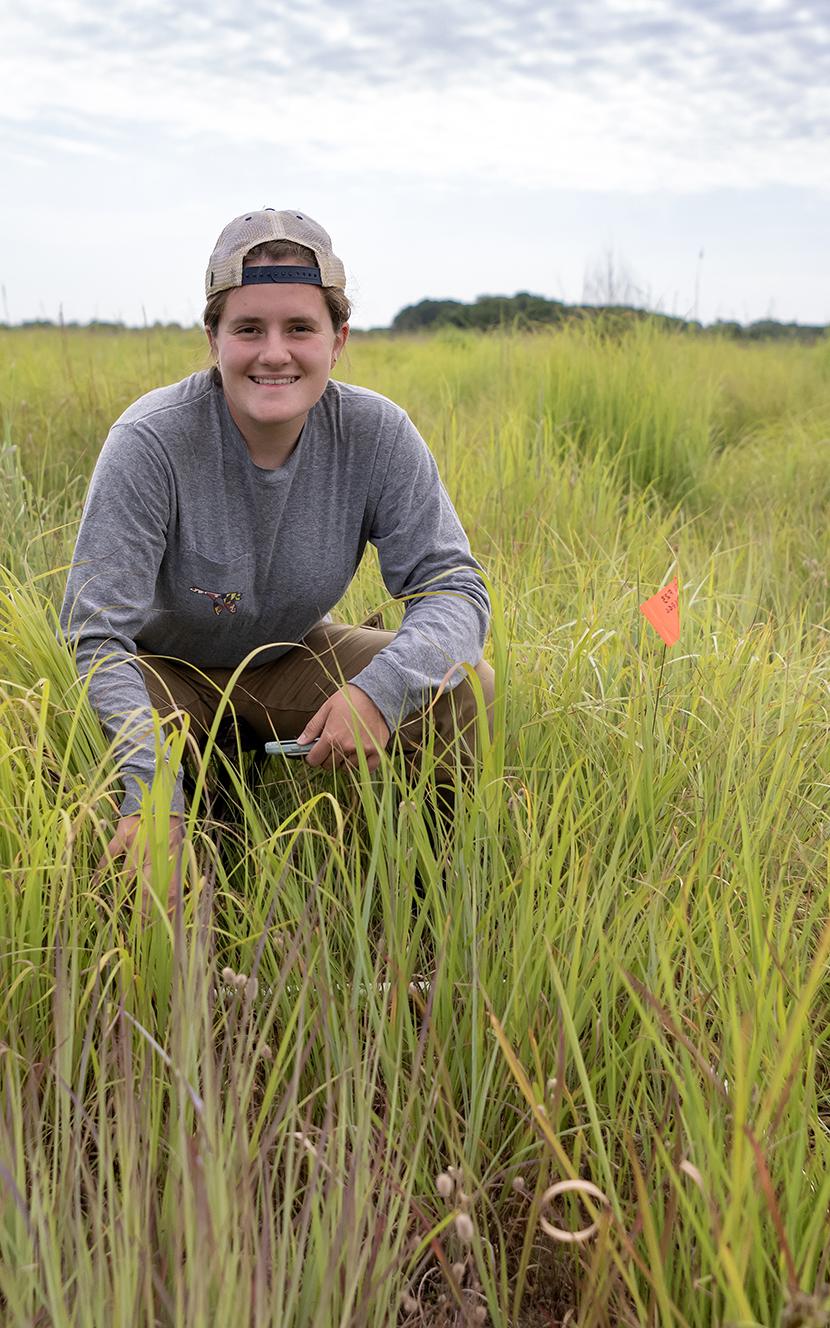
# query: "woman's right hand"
124,844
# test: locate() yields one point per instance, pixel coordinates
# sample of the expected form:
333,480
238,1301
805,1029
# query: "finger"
106,860
131,859
352,760
320,752
147,894
316,724
146,904
106,863
175,854
174,890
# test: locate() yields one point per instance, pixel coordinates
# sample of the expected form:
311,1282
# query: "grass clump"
325,1094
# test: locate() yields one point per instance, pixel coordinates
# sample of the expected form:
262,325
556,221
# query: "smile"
274,382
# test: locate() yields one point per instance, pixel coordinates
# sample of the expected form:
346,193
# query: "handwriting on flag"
663,612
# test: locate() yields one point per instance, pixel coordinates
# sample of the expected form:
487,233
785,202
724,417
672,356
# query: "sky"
669,153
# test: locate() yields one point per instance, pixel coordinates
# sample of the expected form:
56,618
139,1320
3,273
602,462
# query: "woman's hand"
334,728
124,844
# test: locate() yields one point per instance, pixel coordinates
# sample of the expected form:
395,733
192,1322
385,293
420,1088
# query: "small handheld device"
288,748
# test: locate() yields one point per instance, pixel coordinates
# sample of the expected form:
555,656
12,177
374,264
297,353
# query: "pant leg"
177,690
278,699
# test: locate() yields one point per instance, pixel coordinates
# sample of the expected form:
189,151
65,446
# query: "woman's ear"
211,343
340,340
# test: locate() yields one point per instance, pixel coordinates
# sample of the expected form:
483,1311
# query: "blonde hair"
336,302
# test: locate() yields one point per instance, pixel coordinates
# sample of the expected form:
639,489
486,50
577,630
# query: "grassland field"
312,1098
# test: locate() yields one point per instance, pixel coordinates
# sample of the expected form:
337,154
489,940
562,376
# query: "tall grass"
317,1097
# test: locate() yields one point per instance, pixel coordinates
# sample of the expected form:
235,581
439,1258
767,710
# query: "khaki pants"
276,700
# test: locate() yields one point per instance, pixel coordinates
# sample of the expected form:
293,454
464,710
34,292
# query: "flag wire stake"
659,685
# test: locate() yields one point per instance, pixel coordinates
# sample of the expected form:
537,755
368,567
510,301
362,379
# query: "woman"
228,513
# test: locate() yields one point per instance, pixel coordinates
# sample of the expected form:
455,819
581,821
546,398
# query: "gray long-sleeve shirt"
176,506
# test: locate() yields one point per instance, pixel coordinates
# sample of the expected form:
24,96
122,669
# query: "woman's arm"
109,593
424,554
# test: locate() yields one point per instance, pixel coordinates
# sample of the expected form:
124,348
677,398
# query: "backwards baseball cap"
225,269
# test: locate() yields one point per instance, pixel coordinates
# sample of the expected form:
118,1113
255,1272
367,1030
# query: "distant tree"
613,318
767,329
727,329
488,311
431,314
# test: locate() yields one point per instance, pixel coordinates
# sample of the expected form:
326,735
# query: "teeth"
275,381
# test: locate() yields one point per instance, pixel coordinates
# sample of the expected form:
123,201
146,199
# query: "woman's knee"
453,715
465,703
175,696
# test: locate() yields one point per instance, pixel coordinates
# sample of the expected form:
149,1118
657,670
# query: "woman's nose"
274,349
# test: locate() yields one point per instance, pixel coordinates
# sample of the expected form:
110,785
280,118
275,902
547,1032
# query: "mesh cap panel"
243,233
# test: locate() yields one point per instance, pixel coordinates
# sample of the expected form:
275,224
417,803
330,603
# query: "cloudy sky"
668,152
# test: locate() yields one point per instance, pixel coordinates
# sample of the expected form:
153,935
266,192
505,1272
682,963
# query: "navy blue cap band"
260,275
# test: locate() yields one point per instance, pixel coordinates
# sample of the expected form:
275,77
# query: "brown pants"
276,700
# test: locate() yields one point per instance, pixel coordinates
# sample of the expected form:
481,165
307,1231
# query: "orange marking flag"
663,612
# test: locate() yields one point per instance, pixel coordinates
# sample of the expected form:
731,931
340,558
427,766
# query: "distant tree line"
520,312
97,325
526,311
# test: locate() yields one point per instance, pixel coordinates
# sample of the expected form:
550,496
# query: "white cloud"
454,123
612,95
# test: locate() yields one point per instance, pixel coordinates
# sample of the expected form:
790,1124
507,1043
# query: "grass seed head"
689,1169
306,1142
228,976
444,1184
464,1228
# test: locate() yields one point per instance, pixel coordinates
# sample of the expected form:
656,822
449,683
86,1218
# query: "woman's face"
275,347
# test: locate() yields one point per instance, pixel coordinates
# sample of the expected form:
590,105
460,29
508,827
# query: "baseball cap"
243,233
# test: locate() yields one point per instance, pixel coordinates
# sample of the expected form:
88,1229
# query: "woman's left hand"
334,728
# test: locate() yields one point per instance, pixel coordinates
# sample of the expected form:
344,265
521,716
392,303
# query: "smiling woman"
274,344
280,328
228,513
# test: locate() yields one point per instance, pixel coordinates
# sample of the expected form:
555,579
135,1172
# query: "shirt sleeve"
424,556
109,592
